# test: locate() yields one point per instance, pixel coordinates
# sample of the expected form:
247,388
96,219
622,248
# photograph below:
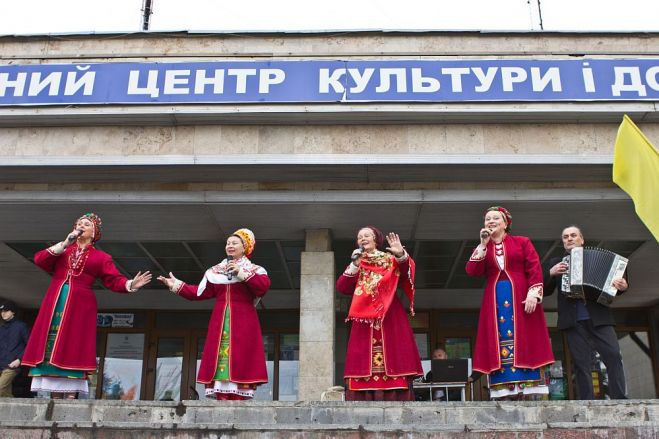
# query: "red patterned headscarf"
96,223
507,217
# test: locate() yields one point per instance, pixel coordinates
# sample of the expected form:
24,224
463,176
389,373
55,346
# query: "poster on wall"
115,320
122,369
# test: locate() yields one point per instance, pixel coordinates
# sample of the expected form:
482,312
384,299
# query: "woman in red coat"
512,344
382,357
62,346
233,361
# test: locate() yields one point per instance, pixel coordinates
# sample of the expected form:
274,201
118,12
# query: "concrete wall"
356,44
474,139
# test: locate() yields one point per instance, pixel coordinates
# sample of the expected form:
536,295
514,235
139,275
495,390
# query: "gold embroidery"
368,280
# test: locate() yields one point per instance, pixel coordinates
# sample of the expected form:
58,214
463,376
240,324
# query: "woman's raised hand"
140,280
357,255
395,246
485,236
168,281
71,237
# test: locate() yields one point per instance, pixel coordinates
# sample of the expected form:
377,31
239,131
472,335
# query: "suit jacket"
13,337
600,315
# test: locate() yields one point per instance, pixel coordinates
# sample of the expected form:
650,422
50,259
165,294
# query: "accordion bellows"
595,268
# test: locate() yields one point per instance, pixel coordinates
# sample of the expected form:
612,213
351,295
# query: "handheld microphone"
74,235
229,273
356,256
485,234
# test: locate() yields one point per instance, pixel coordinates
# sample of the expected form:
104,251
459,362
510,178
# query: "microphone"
74,235
229,273
356,256
485,234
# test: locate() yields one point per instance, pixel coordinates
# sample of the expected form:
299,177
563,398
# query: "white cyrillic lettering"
73,84
385,82
651,77
241,78
421,84
456,76
325,80
484,78
512,75
588,80
201,81
17,84
151,84
635,84
268,77
552,75
172,79
51,81
361,80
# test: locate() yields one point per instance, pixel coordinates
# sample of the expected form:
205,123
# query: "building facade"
304,138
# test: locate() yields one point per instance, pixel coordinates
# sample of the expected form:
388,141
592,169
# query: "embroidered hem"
59,385
246,390
519,388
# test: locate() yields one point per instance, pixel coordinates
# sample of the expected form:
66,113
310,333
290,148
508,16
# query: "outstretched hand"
395,246
140,280
168,281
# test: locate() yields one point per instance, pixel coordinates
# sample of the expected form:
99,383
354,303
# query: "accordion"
595,268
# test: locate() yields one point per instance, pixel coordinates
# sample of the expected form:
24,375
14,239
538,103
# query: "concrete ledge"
45,419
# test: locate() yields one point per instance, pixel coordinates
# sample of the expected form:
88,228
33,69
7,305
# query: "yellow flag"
636,171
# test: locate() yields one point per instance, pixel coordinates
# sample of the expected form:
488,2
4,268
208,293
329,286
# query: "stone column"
316,316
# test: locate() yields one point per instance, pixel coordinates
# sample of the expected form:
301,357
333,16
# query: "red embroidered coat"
246,355
75,345
531,340
401,355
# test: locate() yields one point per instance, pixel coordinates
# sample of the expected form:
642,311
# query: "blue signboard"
331,81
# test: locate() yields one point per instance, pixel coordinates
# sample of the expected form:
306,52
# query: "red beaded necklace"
77,259
498,248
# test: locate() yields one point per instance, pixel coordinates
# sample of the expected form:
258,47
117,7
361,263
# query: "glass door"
171,370
122,366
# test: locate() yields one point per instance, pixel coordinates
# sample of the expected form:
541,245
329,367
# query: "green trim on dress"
222,372
45,368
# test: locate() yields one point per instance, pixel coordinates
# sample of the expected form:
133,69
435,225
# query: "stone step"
28,418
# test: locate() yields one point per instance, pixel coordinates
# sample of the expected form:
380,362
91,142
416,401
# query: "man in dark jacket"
13,338
587,324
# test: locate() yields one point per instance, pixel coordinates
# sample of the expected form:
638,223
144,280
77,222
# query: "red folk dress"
381,355
75,344
532,346
246,356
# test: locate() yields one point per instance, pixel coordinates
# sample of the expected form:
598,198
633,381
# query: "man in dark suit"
587,324
13,337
